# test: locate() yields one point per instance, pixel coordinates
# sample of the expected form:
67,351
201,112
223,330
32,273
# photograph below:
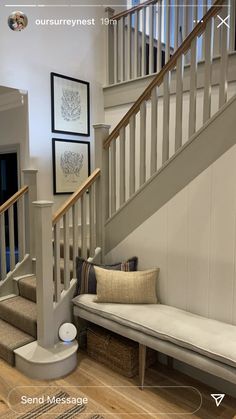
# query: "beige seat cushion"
214,339
137,287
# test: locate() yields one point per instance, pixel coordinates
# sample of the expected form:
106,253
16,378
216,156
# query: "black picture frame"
65,92
66,159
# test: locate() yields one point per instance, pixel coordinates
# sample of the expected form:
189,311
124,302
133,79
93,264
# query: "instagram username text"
71,22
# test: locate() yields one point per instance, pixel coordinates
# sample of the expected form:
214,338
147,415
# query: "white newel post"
101,132
44,272
110,46
30,180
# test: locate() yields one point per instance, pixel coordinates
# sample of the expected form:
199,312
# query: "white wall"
14,131
28,57
193,240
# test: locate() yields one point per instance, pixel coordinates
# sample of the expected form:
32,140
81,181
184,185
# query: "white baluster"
122,49
179,103
193,88
113,176
166,117
122,166
167,31
208,71
57,267
91,221
11,237
159,36
66,250
154,131
129,48
136,45
232,24
144,41
75,220
84,226
177,10
142,175
151,44
116,53
224,60
132,158
3,246
21,228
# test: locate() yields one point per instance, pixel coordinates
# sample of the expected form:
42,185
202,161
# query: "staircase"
140,161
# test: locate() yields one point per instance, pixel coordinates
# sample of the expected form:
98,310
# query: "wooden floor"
119,397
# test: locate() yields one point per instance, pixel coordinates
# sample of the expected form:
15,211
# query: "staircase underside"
203,149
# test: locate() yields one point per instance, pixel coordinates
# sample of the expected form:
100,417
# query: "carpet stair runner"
18,315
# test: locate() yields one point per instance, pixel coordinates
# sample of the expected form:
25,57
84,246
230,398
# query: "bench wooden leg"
142,364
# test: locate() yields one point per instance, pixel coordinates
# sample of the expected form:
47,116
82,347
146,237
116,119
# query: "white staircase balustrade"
16,227
141,40
144,140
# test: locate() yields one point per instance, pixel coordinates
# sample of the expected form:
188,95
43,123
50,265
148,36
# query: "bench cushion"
214,339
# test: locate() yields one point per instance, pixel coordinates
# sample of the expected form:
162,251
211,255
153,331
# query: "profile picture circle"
17,21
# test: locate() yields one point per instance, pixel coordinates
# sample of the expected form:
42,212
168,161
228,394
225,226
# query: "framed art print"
71,165
70,105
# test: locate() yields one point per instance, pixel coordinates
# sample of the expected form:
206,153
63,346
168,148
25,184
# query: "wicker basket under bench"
118,353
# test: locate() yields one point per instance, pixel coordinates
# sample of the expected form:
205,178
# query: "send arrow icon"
218,398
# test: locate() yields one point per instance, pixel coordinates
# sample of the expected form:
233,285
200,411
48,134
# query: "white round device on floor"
67,332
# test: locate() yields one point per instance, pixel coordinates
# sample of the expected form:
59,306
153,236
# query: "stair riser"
21,319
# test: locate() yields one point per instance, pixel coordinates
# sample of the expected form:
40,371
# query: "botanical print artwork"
71,165
70,105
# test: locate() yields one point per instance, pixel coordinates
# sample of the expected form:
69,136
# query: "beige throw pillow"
126,287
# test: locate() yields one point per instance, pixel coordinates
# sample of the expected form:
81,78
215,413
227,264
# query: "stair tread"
21,313
11,338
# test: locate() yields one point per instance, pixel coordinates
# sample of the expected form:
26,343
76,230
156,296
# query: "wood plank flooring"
119,397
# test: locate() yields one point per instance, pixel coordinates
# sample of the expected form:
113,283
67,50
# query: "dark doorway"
8,176
9,186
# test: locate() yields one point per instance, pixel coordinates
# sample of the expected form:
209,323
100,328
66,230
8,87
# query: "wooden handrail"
13,199
133,9
76,195
158,79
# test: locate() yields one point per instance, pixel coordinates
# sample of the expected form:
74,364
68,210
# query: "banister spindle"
208,72
132,158
193,88
75,221
121,58
223,60
177,25
116,53
21,228
11,237
144,41
179,103
232,25
113,176
3,246
167,31
166,117
122,166
91,220
66,243
159,36
57,270
129,46
84,226
142,174
151,43
136,44
154,131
